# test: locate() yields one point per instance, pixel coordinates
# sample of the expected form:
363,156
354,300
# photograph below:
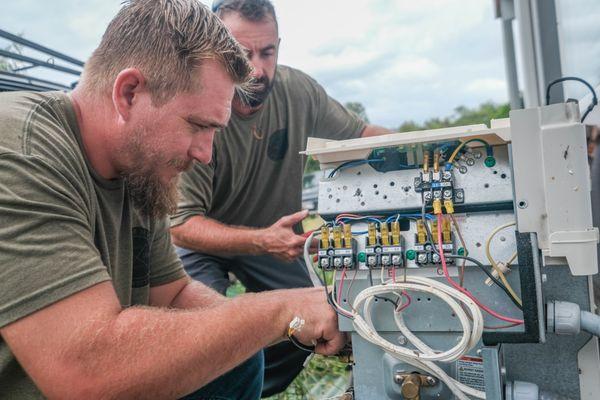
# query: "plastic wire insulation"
463,290
495,265
472,333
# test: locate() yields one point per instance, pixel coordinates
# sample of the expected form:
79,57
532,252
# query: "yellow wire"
495,266
455,152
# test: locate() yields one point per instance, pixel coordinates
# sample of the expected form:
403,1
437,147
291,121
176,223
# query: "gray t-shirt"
63,228
256,172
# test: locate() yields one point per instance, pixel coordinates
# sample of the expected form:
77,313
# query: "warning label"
469,371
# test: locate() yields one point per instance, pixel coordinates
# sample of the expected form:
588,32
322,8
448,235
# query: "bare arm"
86,346
374,130
185,293
203,234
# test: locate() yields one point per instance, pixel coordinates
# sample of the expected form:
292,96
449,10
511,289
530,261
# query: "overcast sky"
403,59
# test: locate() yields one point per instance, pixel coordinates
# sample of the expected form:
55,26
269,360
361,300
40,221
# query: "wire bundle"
423,356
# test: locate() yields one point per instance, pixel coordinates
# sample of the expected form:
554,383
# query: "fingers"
292,219
332,346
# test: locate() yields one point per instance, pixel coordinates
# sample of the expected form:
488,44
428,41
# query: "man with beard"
94,302
238,213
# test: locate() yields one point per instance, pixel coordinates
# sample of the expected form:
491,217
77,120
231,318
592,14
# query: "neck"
95,125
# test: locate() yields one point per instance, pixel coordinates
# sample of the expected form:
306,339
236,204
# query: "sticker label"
392,249
469,371
343,252
322,252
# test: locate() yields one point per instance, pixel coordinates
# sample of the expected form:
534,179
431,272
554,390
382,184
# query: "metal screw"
447,193
402,340
522,204
431,380
459,195
463,169
470,162
447,175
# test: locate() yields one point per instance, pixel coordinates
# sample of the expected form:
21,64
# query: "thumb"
293,219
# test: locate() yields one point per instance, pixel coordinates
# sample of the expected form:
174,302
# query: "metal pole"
35,46
39,63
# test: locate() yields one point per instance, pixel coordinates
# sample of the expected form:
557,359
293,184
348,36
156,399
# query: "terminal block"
437,186
383,248
424,253
337,248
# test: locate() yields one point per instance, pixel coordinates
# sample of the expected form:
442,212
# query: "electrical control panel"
442,247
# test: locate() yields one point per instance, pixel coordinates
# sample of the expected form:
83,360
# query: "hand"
280,241
320,321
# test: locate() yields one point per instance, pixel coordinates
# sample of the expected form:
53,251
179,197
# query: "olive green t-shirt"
255,174
63,228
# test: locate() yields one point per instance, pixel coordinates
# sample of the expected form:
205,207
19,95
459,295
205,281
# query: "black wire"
474,261
296,342
573,78
328,296
489,274
352,163
395,303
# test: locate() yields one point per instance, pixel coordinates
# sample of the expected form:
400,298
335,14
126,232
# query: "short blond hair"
166,40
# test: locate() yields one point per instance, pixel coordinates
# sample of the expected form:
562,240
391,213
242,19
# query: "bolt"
324,263
396,260
422,258
401,340
427,196
337,262
459,195
447,194
385,260
347,261
371,261
463,169
470,162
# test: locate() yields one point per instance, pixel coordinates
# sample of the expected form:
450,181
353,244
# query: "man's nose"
202,146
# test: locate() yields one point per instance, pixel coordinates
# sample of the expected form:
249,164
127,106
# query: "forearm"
374,130
212,237
197,295
159,353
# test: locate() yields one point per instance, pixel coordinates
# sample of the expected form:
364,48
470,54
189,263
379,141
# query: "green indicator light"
411,254
461,251
490,161
362,257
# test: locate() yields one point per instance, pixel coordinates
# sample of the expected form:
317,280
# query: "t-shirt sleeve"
195,191
165,265
47,252
333,120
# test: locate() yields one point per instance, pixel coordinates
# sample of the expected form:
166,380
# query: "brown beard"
149,195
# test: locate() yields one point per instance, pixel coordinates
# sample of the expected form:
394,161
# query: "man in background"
238,213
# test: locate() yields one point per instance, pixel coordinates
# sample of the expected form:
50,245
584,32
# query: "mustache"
180,164
255,92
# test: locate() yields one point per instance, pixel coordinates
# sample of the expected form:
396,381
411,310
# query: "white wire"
424,356
309,266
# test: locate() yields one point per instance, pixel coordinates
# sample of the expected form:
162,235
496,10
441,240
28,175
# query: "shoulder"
293,79
42,127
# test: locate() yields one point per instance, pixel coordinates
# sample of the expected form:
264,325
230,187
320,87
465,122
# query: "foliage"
463,116
358,109
7,64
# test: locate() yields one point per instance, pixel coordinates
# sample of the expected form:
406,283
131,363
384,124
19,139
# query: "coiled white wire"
423,356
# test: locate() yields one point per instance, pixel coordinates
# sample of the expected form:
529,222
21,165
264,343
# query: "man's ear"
128,86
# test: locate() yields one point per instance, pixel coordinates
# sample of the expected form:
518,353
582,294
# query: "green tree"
482,114
358,109
7,64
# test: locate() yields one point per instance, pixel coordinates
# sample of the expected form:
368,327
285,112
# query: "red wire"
405,294
463,290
